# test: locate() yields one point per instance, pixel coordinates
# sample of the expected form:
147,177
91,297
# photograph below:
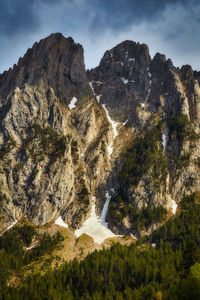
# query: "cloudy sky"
167,26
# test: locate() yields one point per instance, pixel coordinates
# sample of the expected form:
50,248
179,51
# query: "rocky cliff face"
53,138
130,126
160,107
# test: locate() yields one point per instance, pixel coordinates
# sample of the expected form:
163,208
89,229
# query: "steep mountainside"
128,128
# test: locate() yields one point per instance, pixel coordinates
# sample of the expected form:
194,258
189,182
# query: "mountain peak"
57,60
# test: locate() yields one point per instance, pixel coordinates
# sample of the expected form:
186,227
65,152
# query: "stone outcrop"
52,157
65,132
142,92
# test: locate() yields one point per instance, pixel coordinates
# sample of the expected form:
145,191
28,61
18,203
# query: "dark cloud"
16,16
21,15
122,13
166,25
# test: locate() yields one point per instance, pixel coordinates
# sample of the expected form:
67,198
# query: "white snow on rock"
29,248
164,141
91,85
131,59
133,236
94,228
114,127
113,123
98,97
174,207
72,103
9,227
105,210
120,62
125,81
60,222
149,91
33,245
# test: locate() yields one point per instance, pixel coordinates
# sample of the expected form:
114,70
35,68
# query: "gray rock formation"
52,157
142,92
67,134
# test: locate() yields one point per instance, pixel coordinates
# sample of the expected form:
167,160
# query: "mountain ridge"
55,159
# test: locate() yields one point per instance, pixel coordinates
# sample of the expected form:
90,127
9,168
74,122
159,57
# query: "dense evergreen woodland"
171,270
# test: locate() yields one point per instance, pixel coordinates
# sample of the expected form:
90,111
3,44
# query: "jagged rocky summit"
128,129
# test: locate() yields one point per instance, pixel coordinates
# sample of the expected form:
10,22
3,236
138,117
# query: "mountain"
125,132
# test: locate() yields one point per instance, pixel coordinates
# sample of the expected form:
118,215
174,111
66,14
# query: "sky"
170,27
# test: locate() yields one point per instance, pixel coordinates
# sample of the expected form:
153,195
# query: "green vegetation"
74,151
144,156
183,228
7,147
83,202
13,255
44,142
139,219
170,271
83,195
180,128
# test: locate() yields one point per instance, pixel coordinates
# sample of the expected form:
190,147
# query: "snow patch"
133,236
72,103
164,141
125,122
174,207
29,248
149,91
114,127
153,245
9,227
98,97
93,227
120,62
91,85
131,59
125,81
105,210
33,245
60,222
